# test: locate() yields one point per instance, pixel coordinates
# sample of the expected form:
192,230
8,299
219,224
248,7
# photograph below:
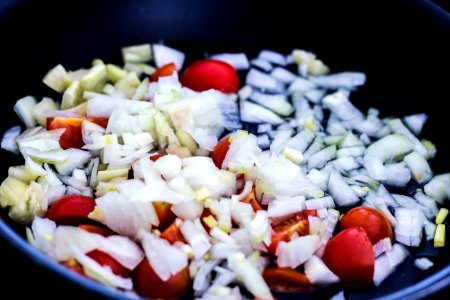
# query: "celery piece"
24,109
95,78
186,140
128,84
442,214
141,90
72,95
40,110
439,236
137,53
115,73
57,79
139,69
108,175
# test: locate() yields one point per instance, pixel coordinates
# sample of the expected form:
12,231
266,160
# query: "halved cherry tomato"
208,74
286,280
72,137
350,256
251,199
155,157
105,259
374,222
148,283
165,214
173,234
220,151
283,231
164,71
98,229
71,210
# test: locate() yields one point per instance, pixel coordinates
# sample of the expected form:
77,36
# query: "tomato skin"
220,151
165,214
251,199
105,259
72,137
374,222
164,71
208,74
98,229
71,210
155,157
298,223
173,234
286,279
350,256
148,284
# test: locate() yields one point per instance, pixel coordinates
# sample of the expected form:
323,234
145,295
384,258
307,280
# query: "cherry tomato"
105,259
286,279
208,74
71,210
350,256
251,199
220,151
164,71
148,284
374,222
155,157
165,214
98,229
173,234
298,223
72,137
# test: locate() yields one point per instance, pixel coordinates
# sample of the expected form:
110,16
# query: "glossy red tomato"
208,74
148,284
72,137
286,279
164,71
155,157
350,256
283,231
165,214
105,259
71,210
374,222
251,199
220,151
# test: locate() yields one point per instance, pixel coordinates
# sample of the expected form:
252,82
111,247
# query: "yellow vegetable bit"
442,214
202,194
439,236
210,221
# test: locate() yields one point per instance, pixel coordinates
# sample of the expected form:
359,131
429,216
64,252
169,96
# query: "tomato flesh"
350,256
72,137
208,74
173,234
164,71
165,214
71,210
105,259
220,151
98,229
374,222
286,279
148,284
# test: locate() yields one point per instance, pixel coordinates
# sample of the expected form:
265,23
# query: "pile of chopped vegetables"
141,176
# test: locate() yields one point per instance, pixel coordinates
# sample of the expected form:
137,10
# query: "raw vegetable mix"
167,181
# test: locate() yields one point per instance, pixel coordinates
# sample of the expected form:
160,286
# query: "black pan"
401,45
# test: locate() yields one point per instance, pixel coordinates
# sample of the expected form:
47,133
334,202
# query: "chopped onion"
198,241
416,122
345,80
9,139
283,75
263,81
438,188
273,57
238,60
382,246
318,273
388,262
164,55
423,263
408,230
341,192
296,252
24,109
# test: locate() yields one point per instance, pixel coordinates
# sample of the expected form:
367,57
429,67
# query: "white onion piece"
202,279
296,252
165,259
416,122
262,64
122,249
277,103
390,147
341,192
65,237
252,278
319,159
423,263
397,175
24,110
273,57
165,55
408,230
284,206
428,202
263,81
283,75
318,178
326,229
382,246
375,168
438,188
341,106
325,202
198,241
238,60
102,106
301,85
43,231
318,273
345,80
420,169
77,159
388,262
9,139
338,296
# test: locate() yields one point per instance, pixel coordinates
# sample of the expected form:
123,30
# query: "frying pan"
401,45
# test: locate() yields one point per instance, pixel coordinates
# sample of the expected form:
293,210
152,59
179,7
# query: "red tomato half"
72,137
285,279
164,71
350,256
374,222
165,214
208,74
71,210
148,284
105,259
173,234
220,151
283,231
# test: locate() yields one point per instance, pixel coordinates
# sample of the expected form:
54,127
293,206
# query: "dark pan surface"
402,46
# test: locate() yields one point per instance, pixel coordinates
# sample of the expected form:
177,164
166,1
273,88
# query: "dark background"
401,45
